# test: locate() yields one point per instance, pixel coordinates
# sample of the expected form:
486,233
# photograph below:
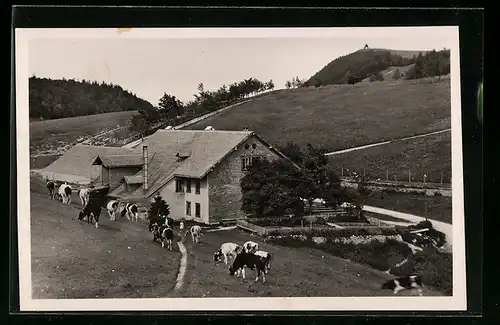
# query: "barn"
75,165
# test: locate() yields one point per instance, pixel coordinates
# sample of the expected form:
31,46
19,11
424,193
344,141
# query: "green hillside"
342,116
60,98
361,64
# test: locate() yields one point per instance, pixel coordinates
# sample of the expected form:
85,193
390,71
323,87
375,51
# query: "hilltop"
342,116
62,98
365,64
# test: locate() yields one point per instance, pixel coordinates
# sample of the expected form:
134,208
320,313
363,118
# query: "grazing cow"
406,282
155,228
92,211
195,232
52,188
251,261
250,247
266,257
65,193
84,195
167,234
131,210
112,208
227,249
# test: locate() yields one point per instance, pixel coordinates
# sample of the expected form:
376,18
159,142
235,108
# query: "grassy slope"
295,272
72,259
55,133
427,155
342,116
146,270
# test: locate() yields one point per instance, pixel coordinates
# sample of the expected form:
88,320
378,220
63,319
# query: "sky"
150,67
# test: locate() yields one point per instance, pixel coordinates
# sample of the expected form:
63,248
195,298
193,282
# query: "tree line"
431,64
171,110
279,187
60,98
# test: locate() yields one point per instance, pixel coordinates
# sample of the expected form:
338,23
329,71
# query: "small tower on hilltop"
366,47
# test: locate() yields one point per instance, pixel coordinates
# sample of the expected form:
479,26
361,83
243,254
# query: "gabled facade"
198,173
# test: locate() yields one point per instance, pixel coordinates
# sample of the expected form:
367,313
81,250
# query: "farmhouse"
198,172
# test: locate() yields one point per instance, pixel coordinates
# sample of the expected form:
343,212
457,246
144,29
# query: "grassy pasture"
342,116
429,155
51,134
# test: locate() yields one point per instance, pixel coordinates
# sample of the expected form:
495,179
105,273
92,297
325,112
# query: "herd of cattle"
247,255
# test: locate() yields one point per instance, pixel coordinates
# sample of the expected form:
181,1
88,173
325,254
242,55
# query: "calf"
250,247
131,210
92,211
227,249
406,282
112,208
266,257
195,232
52,188
84,195
181,225
251,261
65,193
167,234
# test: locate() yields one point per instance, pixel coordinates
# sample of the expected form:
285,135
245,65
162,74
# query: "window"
197,186
179,185
188,208
188,186
246,162
254,146
197,210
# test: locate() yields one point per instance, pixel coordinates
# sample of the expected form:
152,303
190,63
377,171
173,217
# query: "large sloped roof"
122,160
201,150
78,160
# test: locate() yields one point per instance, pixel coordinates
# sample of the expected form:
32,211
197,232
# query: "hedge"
335,232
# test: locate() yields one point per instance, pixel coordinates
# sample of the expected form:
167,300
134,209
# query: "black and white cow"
112,208
406,282
167,235
131,211
227,250
92,211
250,260
65,193
250,247
52,188
266,257
84,195
195,232
155,229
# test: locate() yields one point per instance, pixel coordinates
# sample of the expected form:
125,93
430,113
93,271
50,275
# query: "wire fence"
399,175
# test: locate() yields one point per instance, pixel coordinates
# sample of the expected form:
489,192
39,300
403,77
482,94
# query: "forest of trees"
357,66
59,98
430,64
173,111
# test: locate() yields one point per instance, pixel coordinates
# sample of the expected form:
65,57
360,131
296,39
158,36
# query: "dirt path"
385,142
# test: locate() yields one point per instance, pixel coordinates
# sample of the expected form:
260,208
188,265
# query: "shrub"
438,194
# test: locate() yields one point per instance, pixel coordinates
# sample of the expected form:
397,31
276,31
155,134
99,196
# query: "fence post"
342,172
387,175
409,176
441,177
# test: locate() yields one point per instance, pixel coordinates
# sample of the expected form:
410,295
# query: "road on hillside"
385,142
445,228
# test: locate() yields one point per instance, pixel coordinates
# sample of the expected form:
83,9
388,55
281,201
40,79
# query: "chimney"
145,167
